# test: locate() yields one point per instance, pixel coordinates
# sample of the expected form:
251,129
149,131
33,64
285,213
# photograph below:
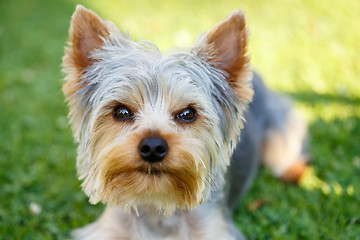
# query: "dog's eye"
187,115
122,113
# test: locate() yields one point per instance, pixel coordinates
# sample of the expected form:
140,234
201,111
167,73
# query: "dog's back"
271,130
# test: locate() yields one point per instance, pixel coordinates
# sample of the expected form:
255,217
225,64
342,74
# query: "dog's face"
154,129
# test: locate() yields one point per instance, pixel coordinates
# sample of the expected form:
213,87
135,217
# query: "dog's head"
154,129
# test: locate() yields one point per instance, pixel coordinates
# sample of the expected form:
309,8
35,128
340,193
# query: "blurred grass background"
308,49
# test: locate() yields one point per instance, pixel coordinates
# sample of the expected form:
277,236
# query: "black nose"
153,149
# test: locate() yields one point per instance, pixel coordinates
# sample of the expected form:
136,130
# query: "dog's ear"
88,32
224,46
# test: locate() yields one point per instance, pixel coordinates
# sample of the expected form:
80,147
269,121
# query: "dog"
170,142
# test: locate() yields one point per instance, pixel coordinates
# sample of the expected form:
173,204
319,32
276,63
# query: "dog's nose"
153,149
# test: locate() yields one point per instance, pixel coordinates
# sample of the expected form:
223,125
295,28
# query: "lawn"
306,49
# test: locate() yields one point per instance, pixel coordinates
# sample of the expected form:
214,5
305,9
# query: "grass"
307,49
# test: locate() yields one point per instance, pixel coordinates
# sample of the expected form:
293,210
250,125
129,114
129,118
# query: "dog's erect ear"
87,33
225,47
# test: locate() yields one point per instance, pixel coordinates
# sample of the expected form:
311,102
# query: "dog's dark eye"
122,113
187,115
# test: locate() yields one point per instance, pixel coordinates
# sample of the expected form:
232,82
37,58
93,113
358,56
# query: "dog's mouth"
151,170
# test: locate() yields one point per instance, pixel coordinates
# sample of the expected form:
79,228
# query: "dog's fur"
183,195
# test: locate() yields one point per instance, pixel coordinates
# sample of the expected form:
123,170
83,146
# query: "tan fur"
226,43
87,33
282,150
294,172
126,176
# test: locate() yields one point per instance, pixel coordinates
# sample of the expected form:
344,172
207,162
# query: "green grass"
307,49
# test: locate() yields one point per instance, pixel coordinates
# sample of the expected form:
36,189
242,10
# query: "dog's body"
157,133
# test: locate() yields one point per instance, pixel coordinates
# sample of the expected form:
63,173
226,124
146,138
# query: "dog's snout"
153,149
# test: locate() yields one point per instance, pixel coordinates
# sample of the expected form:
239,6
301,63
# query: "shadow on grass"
308,96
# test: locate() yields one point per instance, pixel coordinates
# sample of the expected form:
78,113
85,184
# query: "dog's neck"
204,222
150,220
207,221
181,223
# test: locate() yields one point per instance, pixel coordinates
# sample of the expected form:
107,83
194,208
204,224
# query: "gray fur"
267,109
244,162
126,68
137,75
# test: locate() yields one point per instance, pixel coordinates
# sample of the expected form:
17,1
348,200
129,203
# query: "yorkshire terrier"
171,141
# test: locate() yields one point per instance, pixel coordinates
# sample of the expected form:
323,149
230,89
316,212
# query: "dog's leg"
283,149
